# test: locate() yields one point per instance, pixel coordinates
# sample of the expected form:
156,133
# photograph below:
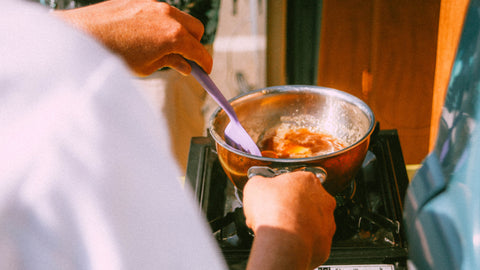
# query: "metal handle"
265,171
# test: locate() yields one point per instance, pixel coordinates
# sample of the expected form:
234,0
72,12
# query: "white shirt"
85,180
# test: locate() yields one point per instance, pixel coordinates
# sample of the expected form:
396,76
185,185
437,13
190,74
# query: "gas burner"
368,214
347,194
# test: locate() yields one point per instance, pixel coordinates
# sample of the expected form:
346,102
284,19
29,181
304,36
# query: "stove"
370,233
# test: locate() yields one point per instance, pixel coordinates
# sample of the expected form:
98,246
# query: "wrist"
278,249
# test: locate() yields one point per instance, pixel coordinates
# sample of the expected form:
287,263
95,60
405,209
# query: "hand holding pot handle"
292,218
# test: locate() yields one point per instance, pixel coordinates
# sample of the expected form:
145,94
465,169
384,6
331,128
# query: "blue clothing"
442,207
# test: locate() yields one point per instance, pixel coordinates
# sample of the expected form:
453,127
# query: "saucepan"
299,108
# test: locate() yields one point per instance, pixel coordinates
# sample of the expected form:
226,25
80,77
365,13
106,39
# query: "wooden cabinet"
384,52
395,55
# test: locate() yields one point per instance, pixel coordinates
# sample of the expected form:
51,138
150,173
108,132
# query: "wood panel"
276,42
403,68
345,44
384,52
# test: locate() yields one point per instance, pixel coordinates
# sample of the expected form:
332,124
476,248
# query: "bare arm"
292,218
147,34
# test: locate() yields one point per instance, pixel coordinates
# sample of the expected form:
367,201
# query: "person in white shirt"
85,183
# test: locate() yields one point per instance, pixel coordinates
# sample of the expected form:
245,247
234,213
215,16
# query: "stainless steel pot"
331,111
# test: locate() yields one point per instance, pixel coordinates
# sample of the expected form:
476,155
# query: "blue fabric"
442,207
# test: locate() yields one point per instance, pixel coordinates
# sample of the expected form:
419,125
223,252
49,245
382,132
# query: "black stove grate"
368,213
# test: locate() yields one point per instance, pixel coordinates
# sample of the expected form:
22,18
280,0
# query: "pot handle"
265,171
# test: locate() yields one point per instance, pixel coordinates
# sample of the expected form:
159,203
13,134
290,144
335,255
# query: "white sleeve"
86,177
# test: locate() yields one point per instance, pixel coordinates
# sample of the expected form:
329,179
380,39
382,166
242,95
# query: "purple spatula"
235,134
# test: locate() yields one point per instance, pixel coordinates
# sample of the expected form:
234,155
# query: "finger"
199,54
174,61
193,25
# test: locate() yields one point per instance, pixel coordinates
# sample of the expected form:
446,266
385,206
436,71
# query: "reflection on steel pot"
320,109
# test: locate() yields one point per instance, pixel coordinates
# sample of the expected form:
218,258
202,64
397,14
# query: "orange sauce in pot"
299,143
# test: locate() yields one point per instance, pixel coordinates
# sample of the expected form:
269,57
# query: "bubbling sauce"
286,142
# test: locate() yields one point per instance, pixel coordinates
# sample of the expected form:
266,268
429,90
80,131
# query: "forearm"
278,249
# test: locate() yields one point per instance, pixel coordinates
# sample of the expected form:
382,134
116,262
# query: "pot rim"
297,88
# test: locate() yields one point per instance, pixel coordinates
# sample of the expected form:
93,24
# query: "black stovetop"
368,214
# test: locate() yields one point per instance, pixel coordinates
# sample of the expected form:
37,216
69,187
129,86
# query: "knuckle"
163,8
176,31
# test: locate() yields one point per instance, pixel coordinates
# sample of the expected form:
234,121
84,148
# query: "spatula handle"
202,77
